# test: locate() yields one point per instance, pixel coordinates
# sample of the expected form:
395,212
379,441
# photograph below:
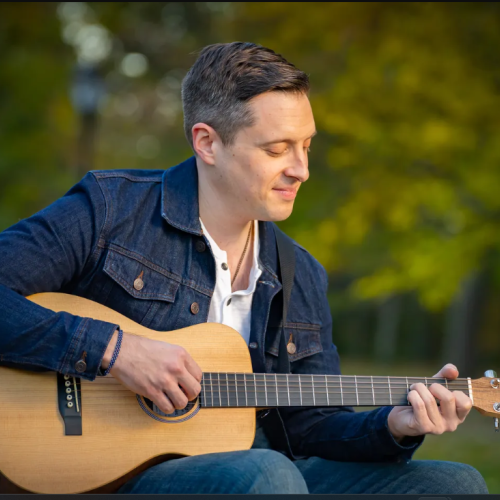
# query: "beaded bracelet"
115,352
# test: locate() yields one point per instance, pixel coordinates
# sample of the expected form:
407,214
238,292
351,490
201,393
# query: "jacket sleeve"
47,253
340,433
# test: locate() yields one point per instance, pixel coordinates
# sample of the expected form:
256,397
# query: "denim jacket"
114,225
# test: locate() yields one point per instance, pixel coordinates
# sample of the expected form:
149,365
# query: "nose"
299,168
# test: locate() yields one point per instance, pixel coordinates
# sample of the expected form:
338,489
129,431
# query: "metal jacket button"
291,348
138,283
224,266
195,308
253,345
200,246
80,366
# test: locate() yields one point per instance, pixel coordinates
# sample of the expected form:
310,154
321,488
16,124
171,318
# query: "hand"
425,416
155,370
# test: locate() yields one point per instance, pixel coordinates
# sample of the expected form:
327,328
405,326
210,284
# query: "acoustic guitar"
60,434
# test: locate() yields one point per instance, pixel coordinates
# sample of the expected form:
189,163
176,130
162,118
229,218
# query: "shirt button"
200,246
228,302
138,284
80,366
195,308
253,345
224,266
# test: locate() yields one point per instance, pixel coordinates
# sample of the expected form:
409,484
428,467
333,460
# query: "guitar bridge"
69,397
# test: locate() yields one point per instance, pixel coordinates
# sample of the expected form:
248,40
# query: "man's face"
261,172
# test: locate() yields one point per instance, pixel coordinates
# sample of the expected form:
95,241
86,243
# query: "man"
173,248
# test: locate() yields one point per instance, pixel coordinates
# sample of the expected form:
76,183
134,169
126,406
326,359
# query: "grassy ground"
474,442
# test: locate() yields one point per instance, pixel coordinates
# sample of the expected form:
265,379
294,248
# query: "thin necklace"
243,254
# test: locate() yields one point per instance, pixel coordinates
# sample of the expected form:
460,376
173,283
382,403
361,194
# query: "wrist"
398,436
108,354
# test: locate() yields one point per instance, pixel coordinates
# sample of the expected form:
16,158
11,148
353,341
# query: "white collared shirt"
233,309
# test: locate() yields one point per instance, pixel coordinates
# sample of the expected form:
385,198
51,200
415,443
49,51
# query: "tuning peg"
490,373
495,423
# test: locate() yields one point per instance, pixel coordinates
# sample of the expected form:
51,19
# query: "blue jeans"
262,470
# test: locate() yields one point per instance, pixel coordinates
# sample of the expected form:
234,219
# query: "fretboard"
272,390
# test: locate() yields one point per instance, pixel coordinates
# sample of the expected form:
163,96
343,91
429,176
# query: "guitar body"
118,436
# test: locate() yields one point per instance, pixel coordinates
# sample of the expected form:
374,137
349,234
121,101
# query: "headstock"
486,395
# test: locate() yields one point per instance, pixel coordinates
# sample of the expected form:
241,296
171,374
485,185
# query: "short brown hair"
219,85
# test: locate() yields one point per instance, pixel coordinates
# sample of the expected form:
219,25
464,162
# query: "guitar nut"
495,383
496,407
68,390
69,397
70,405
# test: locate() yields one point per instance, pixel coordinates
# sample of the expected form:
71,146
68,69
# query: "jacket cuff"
87,348
403,451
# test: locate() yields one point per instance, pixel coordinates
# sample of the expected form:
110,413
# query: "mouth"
287,193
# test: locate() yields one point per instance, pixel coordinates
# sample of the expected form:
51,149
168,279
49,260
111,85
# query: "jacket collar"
180,208
179,197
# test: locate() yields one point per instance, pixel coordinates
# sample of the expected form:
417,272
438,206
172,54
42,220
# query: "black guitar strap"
286,257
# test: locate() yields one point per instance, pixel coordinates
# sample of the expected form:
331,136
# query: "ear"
204,137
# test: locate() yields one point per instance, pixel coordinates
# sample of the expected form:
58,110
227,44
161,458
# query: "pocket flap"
306,337
156,285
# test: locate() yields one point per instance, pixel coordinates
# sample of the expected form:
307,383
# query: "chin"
277,215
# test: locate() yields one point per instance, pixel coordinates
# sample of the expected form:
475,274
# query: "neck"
221,219
272,390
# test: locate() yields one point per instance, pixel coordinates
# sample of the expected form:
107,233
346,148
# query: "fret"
341,391
390,392
288,389
228,393
373,392
245,384
300,390
236,389
277,396
307,390
204,391
446,380
356,387
426,384
314,395
270,395
218,380
255,388
326,386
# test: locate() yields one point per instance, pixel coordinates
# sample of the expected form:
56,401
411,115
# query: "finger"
190,385
193,368
463,404
162,401
433,413
449,371
424,425
175,394
447,404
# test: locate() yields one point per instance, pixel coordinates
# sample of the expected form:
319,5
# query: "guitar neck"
272,390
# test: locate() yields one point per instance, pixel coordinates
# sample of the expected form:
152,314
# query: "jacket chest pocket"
138,289
303,340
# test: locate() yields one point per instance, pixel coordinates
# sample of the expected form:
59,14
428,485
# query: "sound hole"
175,413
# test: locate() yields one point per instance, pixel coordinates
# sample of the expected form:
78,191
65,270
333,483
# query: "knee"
267,471
468,480
454,478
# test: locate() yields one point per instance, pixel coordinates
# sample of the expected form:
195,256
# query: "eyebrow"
285,140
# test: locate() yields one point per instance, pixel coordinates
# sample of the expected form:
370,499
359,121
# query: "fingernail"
411,387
